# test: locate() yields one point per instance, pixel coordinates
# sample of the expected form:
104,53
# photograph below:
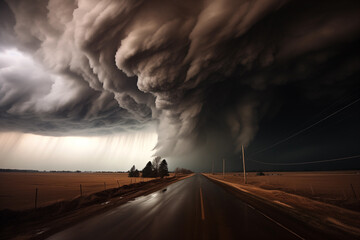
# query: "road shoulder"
43,222
321,220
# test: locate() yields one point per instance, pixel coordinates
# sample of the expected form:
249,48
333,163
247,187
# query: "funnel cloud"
199,72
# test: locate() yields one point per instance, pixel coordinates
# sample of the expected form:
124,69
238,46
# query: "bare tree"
182,171
131,171
156,163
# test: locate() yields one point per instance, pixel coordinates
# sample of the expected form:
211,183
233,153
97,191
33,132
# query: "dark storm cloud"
113,65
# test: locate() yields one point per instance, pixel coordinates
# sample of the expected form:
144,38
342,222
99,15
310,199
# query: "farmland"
340,188
17,189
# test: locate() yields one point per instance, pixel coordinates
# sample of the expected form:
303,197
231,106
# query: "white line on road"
202,206
276,222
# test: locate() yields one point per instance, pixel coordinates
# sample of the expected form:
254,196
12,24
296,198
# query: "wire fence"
34,190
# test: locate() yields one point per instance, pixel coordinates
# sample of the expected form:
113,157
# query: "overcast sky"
102,85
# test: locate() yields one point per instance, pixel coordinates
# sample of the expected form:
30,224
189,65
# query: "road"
194,208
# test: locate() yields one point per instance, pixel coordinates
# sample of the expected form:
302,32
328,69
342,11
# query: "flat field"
17,189
340,188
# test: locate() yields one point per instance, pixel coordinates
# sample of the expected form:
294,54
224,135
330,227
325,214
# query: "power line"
303,130
312,162
342,99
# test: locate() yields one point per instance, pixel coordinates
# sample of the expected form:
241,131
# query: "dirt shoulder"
323,217
339,188
45,221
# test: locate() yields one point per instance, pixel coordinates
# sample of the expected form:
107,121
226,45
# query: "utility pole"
224,168
243,158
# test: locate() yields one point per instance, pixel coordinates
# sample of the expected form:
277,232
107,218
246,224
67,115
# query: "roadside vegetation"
152,169
182,171
36,189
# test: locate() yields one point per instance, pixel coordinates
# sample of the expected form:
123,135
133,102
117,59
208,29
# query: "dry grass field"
17,189
341,188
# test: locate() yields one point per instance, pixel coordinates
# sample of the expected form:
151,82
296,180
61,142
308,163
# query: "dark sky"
209,76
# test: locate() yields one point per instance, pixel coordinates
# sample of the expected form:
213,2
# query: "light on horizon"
101,153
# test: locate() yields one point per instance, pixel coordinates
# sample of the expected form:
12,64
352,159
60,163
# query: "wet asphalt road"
194,208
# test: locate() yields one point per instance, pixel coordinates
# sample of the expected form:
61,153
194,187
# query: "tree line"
152,169
182,171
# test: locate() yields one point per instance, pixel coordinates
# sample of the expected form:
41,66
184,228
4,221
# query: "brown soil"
17,189
42,222
340,188
320,214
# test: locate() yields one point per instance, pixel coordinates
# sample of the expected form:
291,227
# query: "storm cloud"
98,67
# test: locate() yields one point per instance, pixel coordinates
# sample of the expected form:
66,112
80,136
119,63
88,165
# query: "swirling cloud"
98,67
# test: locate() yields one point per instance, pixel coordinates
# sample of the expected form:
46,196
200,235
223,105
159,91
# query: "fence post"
36,197
104,185
118,183
80,190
